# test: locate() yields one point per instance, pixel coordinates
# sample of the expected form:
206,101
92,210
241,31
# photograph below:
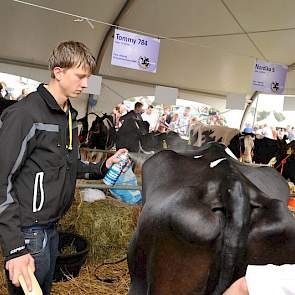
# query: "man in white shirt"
151,117
266,132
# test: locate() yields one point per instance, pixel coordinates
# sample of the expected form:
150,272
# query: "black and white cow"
206,217
134,135
260,149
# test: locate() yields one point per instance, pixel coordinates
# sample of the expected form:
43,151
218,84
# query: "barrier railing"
104,186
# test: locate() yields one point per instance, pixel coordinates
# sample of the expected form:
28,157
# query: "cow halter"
284,161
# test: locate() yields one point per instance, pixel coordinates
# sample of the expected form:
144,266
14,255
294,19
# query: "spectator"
162,125
117,116
4,103
281,133
274,133
266,131
167,112
174,122
291,134
151,117
135,114
123,109
24,93
183,122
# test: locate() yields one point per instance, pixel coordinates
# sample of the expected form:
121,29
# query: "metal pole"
104,186
255,113
98,150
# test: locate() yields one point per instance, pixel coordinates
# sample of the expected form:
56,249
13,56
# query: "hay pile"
97,280
107,224
3,289
93,280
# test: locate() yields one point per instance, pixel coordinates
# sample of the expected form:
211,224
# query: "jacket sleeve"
88,170
15,130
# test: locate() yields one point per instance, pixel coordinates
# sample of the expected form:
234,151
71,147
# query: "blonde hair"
70,54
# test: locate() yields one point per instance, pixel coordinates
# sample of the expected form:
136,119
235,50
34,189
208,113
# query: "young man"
151,117
134,114
39,166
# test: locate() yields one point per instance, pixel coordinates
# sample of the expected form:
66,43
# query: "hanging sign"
135,51
269,78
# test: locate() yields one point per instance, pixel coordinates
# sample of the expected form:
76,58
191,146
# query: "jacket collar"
48,98
51,102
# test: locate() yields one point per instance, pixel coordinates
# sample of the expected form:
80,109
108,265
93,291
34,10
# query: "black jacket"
132,114
38,170
4,103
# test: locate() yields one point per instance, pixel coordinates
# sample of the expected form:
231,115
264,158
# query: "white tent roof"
270,120
220,39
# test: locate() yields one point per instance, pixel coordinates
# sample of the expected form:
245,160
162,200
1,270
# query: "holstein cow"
285,162
241,145
247,147
205,217
101,135
134,135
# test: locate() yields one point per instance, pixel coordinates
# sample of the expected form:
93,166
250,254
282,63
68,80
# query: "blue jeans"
42,244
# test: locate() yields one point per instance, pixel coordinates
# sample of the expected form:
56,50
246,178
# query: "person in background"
162,125
267,132
123,109
183,122
117,116
39,161
5,94
151,117
168,114
24,93
274,133
291,134
281,133
135,113
174,122
4,103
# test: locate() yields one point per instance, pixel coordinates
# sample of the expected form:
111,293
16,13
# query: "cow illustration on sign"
144,62
275,86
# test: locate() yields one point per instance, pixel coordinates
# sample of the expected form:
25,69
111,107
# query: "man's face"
72,81
149,111
138,110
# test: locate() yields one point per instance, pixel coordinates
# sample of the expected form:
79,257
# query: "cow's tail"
232,259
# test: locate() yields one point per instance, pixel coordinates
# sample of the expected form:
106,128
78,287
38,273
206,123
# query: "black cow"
285,162
102,133
130,133
134,135
83,134
263,151
206,217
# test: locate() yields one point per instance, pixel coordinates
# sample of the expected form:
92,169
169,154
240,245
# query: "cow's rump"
205,217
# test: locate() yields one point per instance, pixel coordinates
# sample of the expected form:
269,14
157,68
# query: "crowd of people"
181,121
159,121
275,132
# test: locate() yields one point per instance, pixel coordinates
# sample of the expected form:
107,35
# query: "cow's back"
205,217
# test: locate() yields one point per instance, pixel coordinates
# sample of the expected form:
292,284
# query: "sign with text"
135,51
269,78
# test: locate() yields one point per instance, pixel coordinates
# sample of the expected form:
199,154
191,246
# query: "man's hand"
114,159
19,266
